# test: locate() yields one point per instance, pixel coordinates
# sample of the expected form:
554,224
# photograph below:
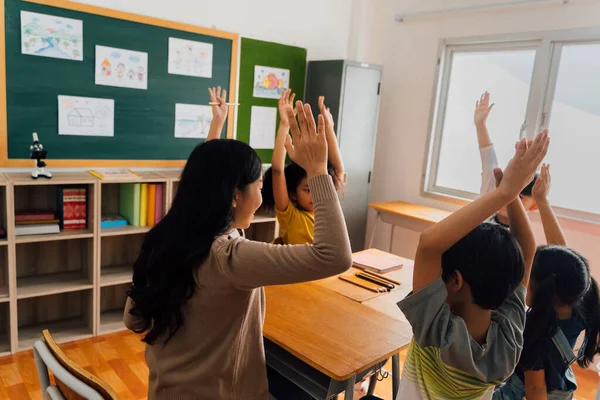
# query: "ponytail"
591,311
542,322
268,203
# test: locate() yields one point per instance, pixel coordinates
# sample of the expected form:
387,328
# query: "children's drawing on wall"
192,121
121,68
85,116
270,82
190,58
50,36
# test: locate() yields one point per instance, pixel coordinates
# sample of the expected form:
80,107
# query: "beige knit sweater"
218,353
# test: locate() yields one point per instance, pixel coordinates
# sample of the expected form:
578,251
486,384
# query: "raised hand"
286,101
308,147
326,113
542,185
482,109
220,107
521,169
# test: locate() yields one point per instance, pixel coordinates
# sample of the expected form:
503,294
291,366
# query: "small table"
410,216
332,339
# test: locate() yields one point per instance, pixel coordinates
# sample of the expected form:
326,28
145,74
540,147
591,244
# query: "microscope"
38,154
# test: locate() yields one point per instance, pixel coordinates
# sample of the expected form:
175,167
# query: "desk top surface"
414,211
335,335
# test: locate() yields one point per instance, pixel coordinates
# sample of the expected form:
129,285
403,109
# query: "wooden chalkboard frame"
23,163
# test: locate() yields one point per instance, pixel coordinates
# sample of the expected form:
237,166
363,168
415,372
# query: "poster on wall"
190,58
86,116
262,127
121,68
270,82
192,121
49,36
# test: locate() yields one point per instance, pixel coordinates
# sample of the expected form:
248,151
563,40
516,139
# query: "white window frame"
548,46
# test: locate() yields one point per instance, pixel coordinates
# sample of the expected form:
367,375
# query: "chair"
71,381
598,392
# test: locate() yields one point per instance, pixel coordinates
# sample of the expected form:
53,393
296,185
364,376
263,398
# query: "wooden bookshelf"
74,282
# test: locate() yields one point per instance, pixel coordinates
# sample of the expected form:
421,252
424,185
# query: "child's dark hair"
528,190
293,176
561,275
490,261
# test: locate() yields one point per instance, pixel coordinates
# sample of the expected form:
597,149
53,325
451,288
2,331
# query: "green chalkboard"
144,119
256,52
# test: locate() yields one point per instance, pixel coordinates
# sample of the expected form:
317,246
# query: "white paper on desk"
121,68
86,116
262,127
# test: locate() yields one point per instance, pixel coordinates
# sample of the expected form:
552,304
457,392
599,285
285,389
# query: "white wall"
322,27
408,53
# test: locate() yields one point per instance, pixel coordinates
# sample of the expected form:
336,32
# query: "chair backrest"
73,381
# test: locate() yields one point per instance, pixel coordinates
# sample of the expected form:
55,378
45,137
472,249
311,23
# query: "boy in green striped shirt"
467,309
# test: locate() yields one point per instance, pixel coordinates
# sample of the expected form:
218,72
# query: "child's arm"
535,385
552,229
440,237
489,160
280,192
520,227
219,111
334,156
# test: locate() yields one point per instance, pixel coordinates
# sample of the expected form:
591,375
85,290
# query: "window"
544,80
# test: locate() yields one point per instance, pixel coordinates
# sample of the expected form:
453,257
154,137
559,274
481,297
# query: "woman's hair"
164,275
562,276
293,176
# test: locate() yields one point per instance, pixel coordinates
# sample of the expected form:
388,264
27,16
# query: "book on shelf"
151,209
112,222
2,233
40,222
144,205
36,229
129,202
158,211
377,261
72,207
114,174
34,215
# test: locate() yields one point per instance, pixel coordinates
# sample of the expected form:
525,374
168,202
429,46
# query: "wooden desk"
410,216
336,336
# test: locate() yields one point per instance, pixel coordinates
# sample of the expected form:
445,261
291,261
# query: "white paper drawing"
270,82
49,36
262,127
190,58
121,68
192,121
86,116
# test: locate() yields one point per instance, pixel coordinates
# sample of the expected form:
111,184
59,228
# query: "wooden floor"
119,360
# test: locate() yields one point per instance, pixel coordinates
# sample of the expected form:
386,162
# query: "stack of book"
141,204
72,207
36,222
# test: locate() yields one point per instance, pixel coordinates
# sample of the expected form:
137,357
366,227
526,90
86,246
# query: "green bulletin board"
256,52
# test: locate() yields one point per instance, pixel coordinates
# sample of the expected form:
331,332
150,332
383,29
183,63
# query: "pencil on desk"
380,276
353,280
218,104
388,285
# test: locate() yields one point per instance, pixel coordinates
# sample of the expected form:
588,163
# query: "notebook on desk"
377,261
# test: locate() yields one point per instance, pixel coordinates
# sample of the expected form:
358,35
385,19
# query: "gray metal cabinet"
351,90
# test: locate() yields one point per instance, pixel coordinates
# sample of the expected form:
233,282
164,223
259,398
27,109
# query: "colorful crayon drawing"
190,58
85,116
121,68
270,82
50,36
192,121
